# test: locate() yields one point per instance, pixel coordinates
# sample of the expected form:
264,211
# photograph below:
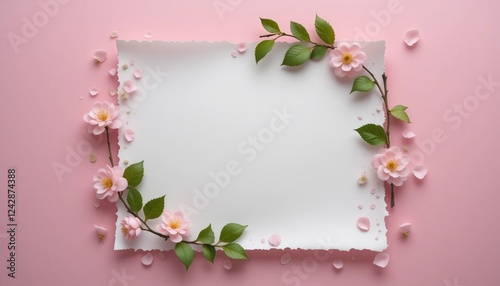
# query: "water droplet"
373,191
376,238
97,204
373,207
377,196
360,117
234,54
360,207
227,264
148,35
285,258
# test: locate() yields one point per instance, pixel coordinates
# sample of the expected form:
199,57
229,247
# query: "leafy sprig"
306,49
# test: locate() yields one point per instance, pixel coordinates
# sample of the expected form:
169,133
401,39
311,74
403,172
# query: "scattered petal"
94,91
408,134
125,66
404,228
242,47
262,240
360,207
376,238
81,97
112,72
412,37
364,223
234,54
406,149
129,86
227,264
274,240
378,109
112,91
381,260
129,135
148,35
97,204
360,117
100,56
420,171
147,259
137,74
92,158
373,191
362,179
101,232
113,35
338,264
285,258
373,207
377,196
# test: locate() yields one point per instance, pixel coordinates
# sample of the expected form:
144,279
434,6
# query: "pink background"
454,211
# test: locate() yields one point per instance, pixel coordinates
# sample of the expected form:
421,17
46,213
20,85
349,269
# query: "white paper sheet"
266,146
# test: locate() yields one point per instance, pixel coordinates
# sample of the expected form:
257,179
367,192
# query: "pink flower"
174,225
103,114
131,227
101,232
108,182
392,165
347,59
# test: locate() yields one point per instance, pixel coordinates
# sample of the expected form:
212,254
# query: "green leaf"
262,49
208,252
318,52
234,251
324,30
134,173
373,134
206,235
399,112
270,25
296,55
154,208
134,199
362,83
231,232
185,253
299,32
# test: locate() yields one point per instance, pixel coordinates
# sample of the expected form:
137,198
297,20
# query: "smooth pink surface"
454,211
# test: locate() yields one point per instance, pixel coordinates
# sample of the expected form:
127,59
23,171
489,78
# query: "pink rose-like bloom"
103,114
347,59
131,227
392,165
108,182
174,225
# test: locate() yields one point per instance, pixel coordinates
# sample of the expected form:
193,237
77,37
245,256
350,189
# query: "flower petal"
129,135
129,86
285,258
242,47
381,260
408,134
364,223
412,37
420,171
148,35
137,73
274,240
338,264
405,227
100,56
147,259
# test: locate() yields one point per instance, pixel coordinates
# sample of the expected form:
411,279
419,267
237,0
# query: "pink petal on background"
137,74
112,72
234,54
113,35
92,158
112,91
100,56
97,204
404,228
420,171
101,231
242,47
94,91
338,264
274,240
148,35
147,259
129,135
285,258
227,264
412,37
381,260
364,223
408,134
129,86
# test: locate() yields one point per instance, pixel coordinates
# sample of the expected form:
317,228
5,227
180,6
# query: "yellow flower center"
174,223
107,183
124,230
102,115
347,58
392,165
